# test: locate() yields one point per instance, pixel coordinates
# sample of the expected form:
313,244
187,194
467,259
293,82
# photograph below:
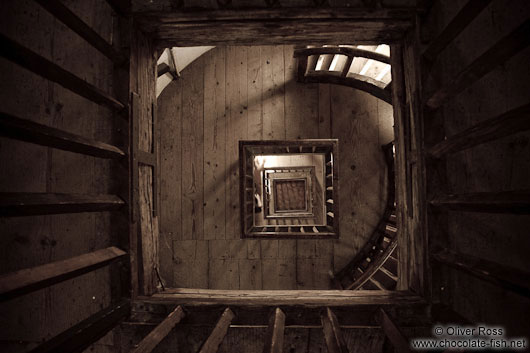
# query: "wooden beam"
121,7
463,18
162,69
219,332
394,334
503,50
363,83
516,202
509,123
39,65
332,333
80,336
309,298
14,204
503,276
72,21
29,131
146,158
275,331
24,281
160,332
350,52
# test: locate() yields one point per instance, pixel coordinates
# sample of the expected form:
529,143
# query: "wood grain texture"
332,333
252,93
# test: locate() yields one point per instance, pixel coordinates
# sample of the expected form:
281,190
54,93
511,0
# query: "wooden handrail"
72,21
28,280
29,131
39,65
14,204
348,51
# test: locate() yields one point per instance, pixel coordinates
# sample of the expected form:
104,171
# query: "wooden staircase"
364,68
375,267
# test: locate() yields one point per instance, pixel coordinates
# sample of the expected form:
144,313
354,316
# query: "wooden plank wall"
31,241
235,93
495,166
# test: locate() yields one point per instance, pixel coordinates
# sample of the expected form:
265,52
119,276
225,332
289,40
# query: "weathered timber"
275,332
39,65
511,122
72,21
160,332
14,204
307,298
350,52
462,19
151,312
29,131
516,202
362,83
80,336
332,333
302,25
503,50
24,281
394,334
218,334
503,276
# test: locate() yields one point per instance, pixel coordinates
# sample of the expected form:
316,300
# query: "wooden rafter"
332,333
160,332
211,345
24,281
274,340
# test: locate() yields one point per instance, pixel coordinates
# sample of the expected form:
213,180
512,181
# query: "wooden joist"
160,332
72,21
24,281
511,122
332,333
13,204
350,52
516,202
305,298
219,332
29,131
503,276
462,19
33,62
394,334
80,336
274,339
493,57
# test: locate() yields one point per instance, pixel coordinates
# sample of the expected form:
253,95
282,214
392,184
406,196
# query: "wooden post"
394,334
274,340
160,332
